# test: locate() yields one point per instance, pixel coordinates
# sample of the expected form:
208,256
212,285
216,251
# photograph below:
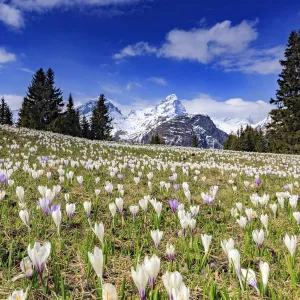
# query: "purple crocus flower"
55,208
2,179
176,187
120,176
173,204
44,205
171,178
286,187
257,180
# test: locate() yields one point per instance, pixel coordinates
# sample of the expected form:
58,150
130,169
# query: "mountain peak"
170,98
170,106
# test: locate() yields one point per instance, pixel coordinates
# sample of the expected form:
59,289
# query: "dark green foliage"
85,128
157,139
6,116
71,120
283,133
42,107
248,139
195,142
101,121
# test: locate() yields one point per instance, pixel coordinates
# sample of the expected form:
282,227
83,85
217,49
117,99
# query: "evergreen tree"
71,120
41,108
85,128
247,139
101,121
54,103
195,141
32,112
6,116
283,133
157,139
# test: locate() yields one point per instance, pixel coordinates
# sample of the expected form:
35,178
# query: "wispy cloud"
27,70
139,49
6,57
158,80
224,45
133,84
111,88
12,13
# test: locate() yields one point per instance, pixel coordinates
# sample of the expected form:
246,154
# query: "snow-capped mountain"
168,118
232,125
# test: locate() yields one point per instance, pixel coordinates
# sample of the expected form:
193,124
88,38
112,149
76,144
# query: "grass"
69,274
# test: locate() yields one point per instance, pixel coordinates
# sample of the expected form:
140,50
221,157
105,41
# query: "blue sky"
220,58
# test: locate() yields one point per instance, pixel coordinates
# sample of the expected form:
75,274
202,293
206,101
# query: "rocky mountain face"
181,129
168,118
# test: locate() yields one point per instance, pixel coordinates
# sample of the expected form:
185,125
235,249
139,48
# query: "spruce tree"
71,120
54,103
33,111
6,116
85,128
283,133
195,141
101,121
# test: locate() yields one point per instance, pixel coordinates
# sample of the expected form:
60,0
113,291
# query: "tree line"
43,108
282,134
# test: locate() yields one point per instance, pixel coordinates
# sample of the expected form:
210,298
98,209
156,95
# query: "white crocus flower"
296,216
152,267
112,208
96,260
291,243
140,278
206,240
265,271
25,217
38,255
258,237
227,245
109,292
99,231
18,295
156,236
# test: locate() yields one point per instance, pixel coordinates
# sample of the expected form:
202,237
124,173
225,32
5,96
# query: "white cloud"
11,16
203,45
6,57
27,70
113,89
223,45
138,49
39,5
133,84
136,103
14,101
233,108
158,80
263,61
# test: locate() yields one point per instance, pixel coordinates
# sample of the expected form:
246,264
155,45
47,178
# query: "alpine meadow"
114,187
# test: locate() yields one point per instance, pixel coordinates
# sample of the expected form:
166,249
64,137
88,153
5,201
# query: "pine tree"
54,103
6,116
71,120
42,107
101,121
85,128
195,141
283,133
32,112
